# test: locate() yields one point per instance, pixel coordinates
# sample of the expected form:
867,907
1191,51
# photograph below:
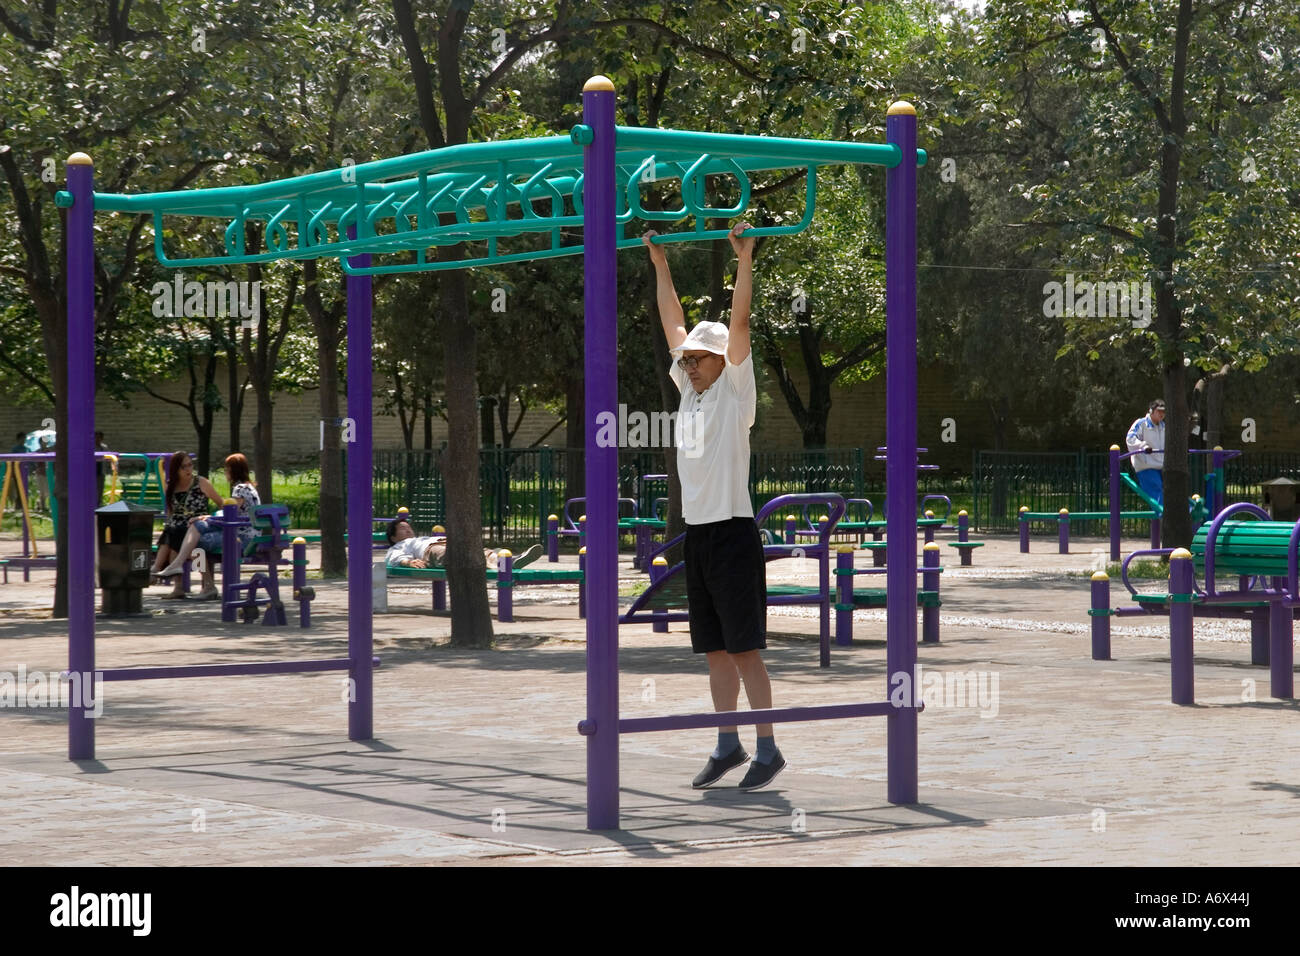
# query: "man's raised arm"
670,307
738,332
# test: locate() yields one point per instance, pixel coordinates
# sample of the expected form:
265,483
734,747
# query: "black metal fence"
1003,481
520,487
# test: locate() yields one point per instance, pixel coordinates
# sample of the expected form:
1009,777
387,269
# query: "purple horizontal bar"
782,715
227,670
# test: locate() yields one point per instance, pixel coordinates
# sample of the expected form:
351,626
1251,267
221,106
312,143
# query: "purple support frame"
1181,586
80,449
360,504
900,437
1100,614
601,375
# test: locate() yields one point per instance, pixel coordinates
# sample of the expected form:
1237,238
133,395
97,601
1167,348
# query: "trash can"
125,536
1280,499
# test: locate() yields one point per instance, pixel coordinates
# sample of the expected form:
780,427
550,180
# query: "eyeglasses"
690,361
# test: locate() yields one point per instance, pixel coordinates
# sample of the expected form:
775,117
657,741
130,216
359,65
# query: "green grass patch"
1141,570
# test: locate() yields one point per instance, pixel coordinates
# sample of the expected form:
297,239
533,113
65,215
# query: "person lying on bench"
409,551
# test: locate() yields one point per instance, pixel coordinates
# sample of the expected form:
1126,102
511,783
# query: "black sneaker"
760,775
717,768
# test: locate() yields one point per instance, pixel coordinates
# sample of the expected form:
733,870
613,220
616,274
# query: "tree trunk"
1216,383
262,450
487,423
233,387
471,619
1176,526
428,419
329,326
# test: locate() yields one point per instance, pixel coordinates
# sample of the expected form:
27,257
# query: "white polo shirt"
713,443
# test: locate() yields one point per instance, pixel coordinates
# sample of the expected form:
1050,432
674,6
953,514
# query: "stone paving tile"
1079,762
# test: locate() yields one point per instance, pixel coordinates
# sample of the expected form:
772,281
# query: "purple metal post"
440,595
1281,650
360,502
1114,506
1100,616
1180,626
553,539
1259,634
600,368
658,568
1063,531
790,529
80,453
1024,530
505,586
844,595
930,582
300,581
900,437
582,583
230,557
1155,532
963,537
824,590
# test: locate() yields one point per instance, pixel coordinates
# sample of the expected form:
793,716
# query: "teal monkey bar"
485,192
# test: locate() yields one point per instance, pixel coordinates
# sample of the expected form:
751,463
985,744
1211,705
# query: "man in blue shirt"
1147,435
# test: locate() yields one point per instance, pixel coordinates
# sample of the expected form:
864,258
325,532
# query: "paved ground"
1052,758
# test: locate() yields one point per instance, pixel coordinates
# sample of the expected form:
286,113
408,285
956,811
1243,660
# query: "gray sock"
727,742
766,750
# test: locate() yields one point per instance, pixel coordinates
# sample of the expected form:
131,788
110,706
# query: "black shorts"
726,586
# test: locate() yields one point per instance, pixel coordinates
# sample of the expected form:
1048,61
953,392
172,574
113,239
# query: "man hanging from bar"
726,587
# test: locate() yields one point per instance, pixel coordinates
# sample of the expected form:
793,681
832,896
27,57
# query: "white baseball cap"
705,337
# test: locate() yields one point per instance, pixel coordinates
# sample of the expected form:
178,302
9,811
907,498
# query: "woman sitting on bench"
202,533
409,551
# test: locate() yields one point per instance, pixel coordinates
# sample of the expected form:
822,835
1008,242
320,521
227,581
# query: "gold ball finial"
1114,447
1180,554
80,159
660,561
598,83
300,540
1100,576
931,546
901,108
